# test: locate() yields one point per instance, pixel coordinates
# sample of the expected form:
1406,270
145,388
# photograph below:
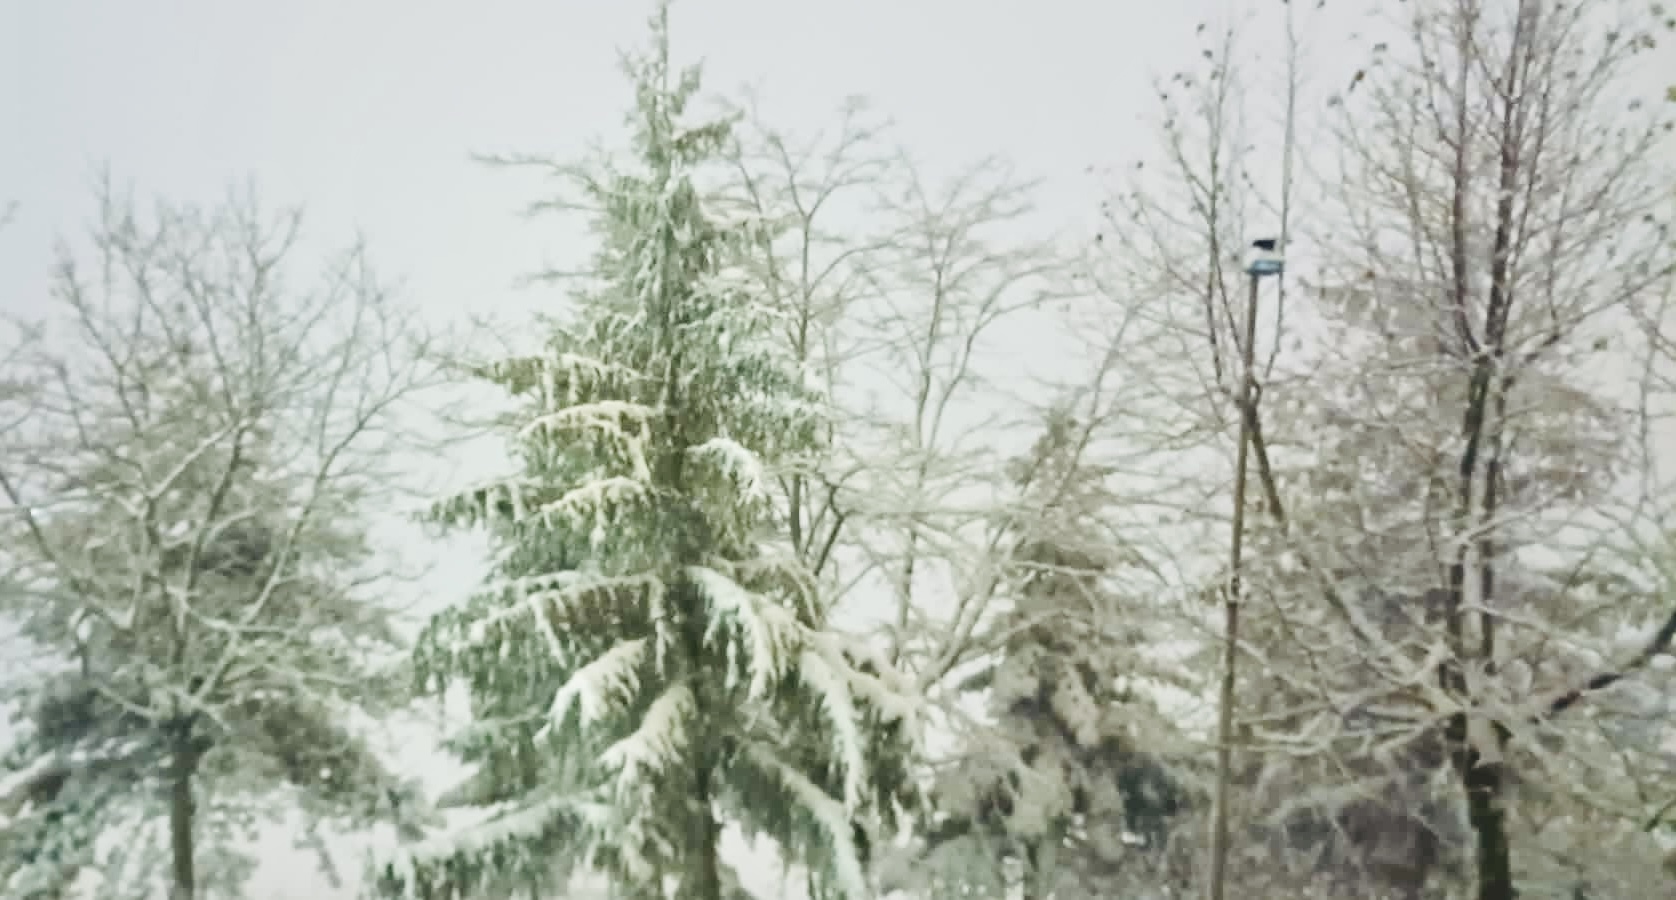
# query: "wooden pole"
1231,606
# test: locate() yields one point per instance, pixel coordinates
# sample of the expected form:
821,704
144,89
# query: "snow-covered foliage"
185,483
645,666
1068,787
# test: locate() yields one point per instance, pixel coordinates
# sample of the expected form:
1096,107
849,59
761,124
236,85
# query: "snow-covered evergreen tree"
650,662
1067,794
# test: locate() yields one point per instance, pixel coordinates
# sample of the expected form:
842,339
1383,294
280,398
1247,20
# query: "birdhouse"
1264,259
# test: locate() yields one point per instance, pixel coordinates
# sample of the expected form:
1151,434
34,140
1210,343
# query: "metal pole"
1231,606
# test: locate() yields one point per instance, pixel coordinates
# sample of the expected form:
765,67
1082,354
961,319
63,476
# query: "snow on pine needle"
770,632
659,740
740,464
841,713
831,815
606,684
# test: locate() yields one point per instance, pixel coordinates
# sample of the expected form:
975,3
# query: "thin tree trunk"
701,877
1486,813
1480,778
1043,871
707,879
1476,753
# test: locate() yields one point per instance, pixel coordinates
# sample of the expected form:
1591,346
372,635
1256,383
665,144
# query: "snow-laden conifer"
645,667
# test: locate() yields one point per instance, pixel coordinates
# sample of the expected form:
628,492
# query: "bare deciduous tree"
1459,519
898,295
813,268
904,298
203,432
1500,219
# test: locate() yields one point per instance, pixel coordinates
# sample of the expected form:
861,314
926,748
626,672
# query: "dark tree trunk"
183,768
1483,783
1479,474
1483,786
706,876
702,878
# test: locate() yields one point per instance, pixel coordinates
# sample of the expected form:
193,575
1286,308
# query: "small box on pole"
1264,259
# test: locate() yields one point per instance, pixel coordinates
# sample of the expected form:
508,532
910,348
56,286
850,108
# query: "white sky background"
367,112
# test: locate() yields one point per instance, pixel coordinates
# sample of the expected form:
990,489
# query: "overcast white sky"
367,112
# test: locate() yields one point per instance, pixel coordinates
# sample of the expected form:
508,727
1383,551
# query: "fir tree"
1070,794
648,664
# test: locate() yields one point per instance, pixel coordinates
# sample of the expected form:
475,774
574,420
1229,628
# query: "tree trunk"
702,877
1482,782
183,767
705,878
1029,889
1042,870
